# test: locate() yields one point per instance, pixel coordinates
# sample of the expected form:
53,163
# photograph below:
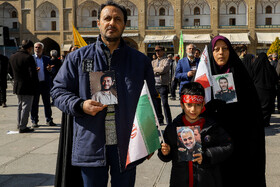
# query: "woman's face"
221,53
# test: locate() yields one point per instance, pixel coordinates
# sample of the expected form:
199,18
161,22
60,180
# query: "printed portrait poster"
224,88
103,87
189,142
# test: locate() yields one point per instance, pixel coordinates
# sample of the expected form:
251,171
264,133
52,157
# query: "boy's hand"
198,158
165,149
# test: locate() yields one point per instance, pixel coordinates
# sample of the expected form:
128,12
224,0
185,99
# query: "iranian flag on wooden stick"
204,75
144,138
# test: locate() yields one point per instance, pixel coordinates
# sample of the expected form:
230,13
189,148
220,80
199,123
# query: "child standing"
203,170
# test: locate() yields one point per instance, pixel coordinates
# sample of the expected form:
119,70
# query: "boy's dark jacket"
216,146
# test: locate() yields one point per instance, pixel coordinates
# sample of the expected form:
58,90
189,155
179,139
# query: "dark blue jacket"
72,85
182,69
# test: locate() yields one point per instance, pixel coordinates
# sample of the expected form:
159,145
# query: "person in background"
174,80
44,69
25,83
243,51
56,62
186,67
274,60
161,67
238,119
4,65
265,79
197,53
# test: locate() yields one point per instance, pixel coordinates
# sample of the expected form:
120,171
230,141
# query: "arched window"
268,9
94,13
232,10
128,12
14,14
196,11
94,23
53,14
162,12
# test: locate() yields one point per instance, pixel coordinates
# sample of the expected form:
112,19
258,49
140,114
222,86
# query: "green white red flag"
144,138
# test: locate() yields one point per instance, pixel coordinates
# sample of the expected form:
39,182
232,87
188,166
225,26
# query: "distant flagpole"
181,46
78,39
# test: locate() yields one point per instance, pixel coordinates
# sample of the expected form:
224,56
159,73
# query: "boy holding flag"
203,170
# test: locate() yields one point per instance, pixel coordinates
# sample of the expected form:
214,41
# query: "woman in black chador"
242,119
265,80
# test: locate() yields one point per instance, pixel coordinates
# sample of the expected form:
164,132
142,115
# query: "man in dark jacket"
44,69
186,67
4,61
72,94
25,82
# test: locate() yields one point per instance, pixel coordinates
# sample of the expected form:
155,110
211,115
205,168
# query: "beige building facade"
254,23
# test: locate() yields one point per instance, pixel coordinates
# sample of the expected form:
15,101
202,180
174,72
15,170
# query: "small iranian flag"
144,138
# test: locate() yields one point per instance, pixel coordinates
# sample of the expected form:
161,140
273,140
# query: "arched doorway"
131,43
50,44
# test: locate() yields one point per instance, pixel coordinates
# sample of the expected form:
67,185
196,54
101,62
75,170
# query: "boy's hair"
192,88
112,3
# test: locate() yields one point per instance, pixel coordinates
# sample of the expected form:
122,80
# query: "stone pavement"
30,159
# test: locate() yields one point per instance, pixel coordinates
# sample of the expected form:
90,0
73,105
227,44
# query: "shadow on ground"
19,180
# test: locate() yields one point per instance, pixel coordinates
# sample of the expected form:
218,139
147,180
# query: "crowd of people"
32,74
232,134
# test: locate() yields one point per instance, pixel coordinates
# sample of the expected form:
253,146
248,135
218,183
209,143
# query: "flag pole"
156,118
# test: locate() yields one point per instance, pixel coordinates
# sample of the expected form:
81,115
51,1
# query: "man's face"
223,84
190,50
111,23
197,136
197,54
188,140
38,49
107,83
159,53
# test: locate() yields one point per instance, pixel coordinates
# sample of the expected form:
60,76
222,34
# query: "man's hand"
165,149
49,67
92,107
191,73
198,158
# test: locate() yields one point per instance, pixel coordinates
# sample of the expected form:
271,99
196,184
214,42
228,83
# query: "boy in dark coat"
203,170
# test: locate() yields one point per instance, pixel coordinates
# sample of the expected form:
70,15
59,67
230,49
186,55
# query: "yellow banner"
78,39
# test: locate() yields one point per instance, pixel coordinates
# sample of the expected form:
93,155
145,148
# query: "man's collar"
121,44
36,56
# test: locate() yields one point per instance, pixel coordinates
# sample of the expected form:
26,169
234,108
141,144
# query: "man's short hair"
53,53
25,44
159,47
112,3
40,43
194,46
192,88
223,78
170,55
109,74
